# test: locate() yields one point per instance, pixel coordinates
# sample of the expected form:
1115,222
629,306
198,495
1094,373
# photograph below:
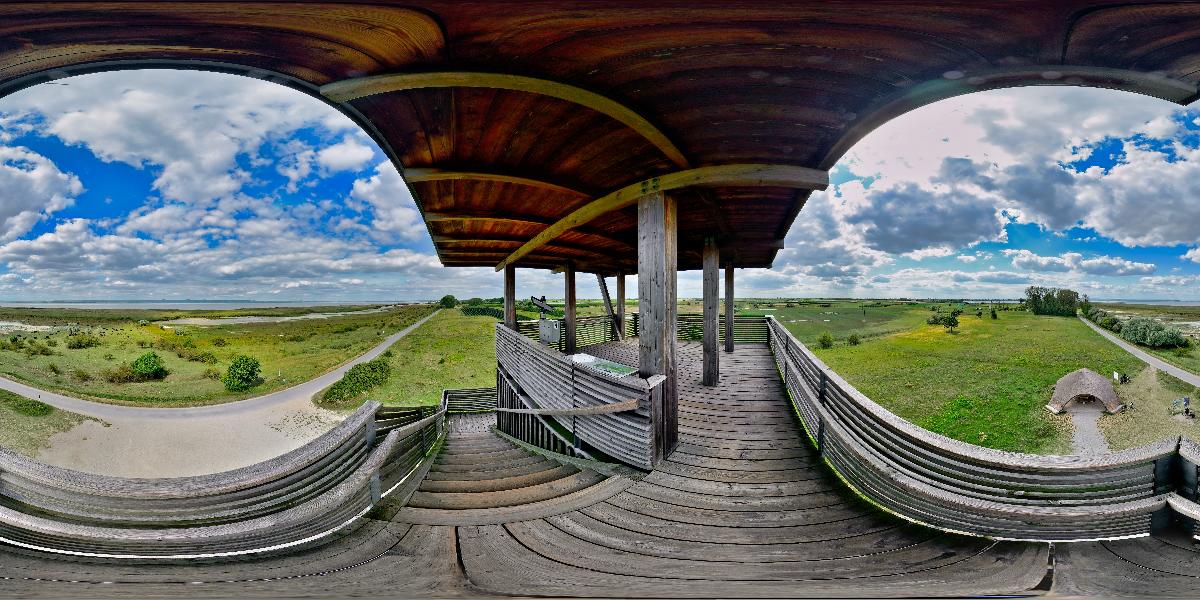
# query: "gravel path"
172,442
1146,357
1087,438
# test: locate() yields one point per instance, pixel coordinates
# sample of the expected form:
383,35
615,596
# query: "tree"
950,322
243,374
994,313
1051,301
854,340
148,367
448,301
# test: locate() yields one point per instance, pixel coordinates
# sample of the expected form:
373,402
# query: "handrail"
959,487
547,380
84,516
618,407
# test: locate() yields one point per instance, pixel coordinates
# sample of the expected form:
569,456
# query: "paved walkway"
131,441
1146,357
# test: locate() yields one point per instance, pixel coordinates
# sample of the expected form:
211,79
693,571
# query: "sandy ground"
1087,438
151,447
130,441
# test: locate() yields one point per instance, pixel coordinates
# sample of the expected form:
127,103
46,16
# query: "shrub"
219,342
55,369
148,367
994,314
121,374
299,337
388,353
38,349
81,375
358,381
51,343
109,357
243,374
1152,333
483,311
448,301
80,341
211,373
826,340
854,340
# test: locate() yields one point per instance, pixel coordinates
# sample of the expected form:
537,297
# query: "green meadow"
290,352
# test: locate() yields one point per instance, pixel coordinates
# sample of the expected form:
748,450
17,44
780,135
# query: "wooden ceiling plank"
746,175
352,89
417,175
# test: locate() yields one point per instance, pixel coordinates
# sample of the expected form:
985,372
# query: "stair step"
514,471
495,485
513,497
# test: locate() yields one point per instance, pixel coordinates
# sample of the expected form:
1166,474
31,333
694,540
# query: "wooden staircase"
480,477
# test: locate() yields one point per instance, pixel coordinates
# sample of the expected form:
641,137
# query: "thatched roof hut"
1084,384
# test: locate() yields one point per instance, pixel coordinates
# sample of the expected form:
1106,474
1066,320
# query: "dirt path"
172,442
1146,357
1087,438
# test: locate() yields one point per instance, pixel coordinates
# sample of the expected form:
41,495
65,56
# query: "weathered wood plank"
569,309
712,366
510,297
657,255
729,308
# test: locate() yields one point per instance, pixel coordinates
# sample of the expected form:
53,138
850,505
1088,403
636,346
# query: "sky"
190,185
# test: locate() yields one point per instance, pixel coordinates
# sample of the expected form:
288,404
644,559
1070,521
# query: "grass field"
290,352
988,383
808,320
449,351
1149,419
1186,318
26,425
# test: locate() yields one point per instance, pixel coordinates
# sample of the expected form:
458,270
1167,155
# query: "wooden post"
569,320
618,334
657,276
510,297
712,269
729,308
621,303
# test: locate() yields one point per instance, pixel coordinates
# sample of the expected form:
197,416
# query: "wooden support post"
712,269
657,277
729,308
618,334
569,309
621,303
510,297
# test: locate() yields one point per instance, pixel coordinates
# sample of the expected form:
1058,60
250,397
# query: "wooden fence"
690,328
955,486
299,499
536,377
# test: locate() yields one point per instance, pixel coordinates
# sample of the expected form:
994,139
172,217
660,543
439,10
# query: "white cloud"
395,214
31,188
1073,261
1192,255
346,155
967,258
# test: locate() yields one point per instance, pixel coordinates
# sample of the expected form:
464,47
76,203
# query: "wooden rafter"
418,175
748,175
352,89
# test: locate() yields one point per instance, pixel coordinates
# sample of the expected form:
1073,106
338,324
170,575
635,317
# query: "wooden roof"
508,116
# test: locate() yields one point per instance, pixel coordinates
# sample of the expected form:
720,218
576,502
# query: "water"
184,304
252,319
1155,302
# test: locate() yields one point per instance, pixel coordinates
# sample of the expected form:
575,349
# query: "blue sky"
164,184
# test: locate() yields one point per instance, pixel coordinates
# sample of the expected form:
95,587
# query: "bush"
934,320
81,375
1152,333
149,367
211,373
853,340
483,311
219,342
121,374
55,369
243,374
950,322
826,340
358,381
80,341
448,301
994,314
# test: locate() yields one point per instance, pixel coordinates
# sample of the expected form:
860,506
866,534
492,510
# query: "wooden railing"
302,498
535,377
955,486
690,328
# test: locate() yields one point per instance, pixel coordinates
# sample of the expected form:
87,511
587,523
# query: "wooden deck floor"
743,508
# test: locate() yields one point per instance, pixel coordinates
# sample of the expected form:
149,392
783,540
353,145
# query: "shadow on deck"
744,507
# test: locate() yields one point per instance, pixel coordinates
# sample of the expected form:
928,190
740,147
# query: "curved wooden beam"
430,174
747,175
352,89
